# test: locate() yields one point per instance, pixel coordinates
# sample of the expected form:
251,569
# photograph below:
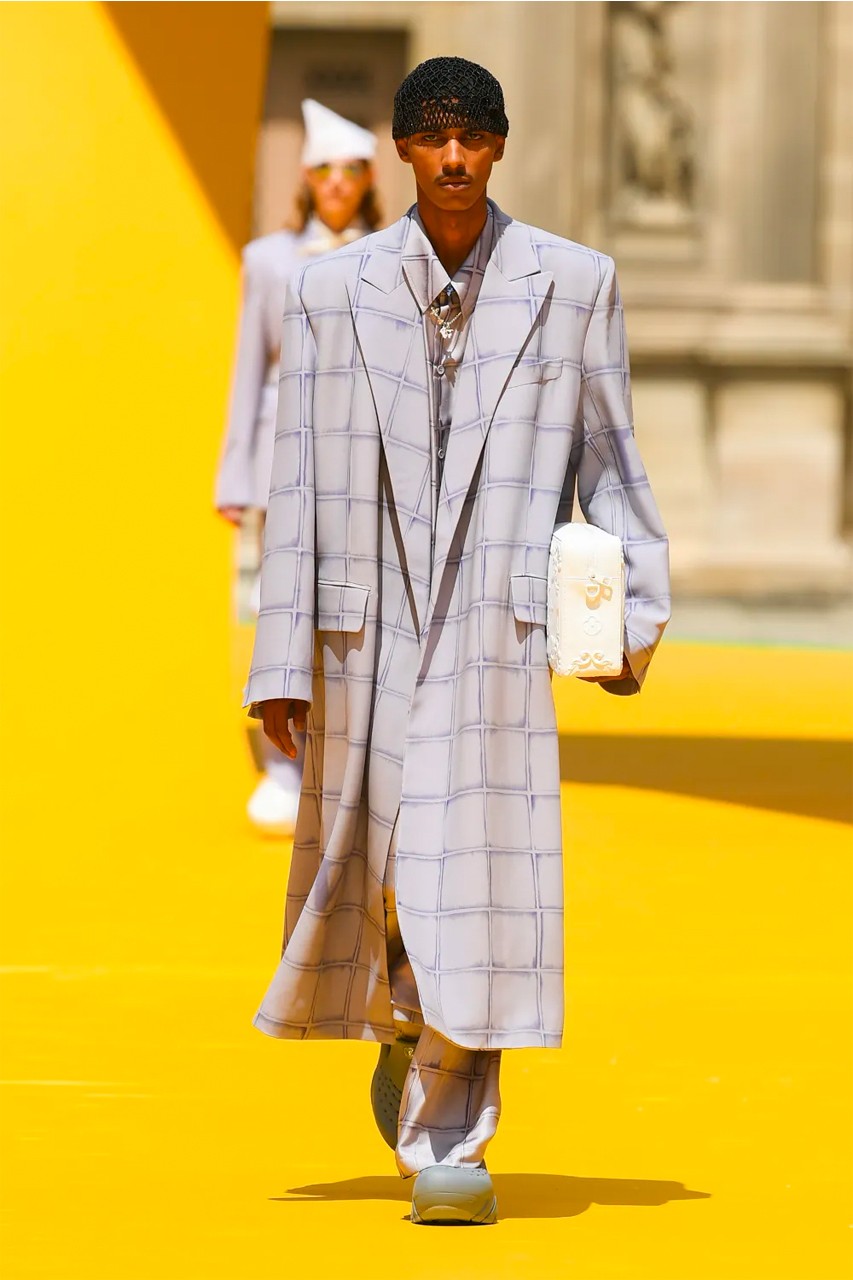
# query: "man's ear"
499,150
402,145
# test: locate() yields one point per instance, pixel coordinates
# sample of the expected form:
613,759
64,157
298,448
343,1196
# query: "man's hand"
277,712
234,515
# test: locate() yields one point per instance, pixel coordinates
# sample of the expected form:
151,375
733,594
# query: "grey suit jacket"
243,478
427,673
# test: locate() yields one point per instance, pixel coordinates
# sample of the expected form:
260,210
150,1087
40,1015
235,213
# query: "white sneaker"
272,808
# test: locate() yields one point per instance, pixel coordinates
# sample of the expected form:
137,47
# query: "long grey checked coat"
419,639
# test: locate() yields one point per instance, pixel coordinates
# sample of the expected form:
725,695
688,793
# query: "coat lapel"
389,331
512,293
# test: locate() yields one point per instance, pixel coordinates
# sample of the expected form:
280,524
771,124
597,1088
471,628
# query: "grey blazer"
427,674
243,479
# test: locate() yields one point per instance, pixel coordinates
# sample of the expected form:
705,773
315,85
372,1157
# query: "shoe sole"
451,1211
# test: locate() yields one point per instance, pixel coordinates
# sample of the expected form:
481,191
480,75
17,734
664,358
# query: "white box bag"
586,602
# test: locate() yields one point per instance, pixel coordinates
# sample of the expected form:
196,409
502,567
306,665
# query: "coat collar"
317,238
389,327
427,277
514,254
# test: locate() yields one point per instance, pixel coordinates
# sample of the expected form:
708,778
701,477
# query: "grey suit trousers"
451,1100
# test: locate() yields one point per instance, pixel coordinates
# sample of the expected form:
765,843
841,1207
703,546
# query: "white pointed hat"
330,137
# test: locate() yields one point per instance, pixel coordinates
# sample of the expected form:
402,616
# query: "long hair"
370,210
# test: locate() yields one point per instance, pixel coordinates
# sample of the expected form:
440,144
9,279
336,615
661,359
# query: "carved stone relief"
653,132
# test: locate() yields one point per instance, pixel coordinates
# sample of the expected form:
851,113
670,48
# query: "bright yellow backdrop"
119,269
696,1125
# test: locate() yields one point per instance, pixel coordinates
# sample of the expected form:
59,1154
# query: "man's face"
452,166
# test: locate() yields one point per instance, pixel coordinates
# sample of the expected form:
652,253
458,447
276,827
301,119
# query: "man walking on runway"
446,385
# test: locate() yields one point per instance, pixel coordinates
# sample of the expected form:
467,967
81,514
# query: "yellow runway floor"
695,1126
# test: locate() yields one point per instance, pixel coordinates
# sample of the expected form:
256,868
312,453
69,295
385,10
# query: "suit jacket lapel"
511,296
389,331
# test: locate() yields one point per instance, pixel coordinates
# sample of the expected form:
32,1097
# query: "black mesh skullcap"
448,93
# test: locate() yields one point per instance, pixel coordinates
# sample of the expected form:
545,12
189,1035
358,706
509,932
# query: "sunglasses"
354,169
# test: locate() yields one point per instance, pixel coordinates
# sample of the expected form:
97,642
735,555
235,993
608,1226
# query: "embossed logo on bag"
597,589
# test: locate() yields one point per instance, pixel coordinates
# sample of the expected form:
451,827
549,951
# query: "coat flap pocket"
535,371
529,598
341,606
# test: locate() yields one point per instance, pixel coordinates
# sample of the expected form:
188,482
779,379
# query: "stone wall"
709,148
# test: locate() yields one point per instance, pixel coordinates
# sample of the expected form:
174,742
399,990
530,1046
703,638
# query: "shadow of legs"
520,1195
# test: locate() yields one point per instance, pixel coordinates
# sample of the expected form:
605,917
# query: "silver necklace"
446,310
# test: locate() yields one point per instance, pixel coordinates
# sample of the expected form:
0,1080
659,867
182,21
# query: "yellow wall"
126,147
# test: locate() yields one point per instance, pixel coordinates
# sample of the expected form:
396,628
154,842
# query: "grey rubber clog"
386,1087
454,1197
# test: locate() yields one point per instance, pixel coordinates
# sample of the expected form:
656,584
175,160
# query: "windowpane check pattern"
426,666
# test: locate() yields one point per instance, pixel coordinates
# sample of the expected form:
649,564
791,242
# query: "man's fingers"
269,729
282,725
277,713
272,721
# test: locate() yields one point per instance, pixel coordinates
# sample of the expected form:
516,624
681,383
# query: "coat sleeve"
283,658
613,489
235,480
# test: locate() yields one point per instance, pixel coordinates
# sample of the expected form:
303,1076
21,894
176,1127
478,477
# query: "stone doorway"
355,73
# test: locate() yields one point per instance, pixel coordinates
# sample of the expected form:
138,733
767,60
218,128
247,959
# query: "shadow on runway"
813,778
520,1195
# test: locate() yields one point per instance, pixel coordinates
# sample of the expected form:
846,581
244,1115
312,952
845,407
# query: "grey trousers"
284,771
451,1099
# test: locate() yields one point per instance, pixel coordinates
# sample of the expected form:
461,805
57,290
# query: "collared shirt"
446,306
318,238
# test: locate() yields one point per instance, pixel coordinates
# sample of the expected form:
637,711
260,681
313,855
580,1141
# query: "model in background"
336,204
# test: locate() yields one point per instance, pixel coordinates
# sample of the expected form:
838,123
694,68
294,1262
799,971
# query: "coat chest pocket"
529,598
341,606
535,371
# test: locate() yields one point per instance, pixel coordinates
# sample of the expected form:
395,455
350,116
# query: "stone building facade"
707,147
